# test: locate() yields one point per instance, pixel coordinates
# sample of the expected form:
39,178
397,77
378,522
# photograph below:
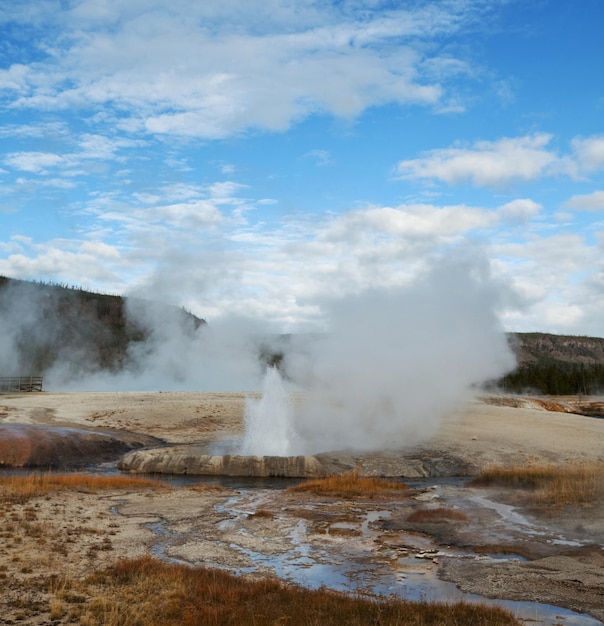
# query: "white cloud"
225,191
44,130
94,146
283,272
59,183
589,152
64,261
184,215
554,276
36,162
100,250
15,78
321,158
419,220
587,202
504,161
76,162
485,163
210,70
521,210
228,169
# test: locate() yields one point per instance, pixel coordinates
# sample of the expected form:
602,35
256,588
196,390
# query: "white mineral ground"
482,434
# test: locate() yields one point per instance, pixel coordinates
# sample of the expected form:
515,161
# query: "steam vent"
192,460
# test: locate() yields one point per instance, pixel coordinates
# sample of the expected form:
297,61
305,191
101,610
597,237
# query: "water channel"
409,571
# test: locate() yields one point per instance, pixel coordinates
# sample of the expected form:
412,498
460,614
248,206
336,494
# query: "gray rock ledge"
194,460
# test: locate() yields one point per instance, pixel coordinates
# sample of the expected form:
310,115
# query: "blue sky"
260,157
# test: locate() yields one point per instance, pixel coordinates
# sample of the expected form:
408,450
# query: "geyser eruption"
269,429
393,364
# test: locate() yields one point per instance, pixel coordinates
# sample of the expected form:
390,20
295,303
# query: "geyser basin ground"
46,446
202,528
481,434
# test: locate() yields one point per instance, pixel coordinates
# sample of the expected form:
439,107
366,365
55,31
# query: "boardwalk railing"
20,383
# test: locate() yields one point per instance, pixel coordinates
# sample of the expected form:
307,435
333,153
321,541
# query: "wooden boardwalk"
20,383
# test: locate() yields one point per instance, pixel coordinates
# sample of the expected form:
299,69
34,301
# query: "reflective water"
351,564
409,573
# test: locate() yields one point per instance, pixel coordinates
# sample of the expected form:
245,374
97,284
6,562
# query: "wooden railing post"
18,384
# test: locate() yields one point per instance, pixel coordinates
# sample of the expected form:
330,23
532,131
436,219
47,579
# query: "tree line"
555,378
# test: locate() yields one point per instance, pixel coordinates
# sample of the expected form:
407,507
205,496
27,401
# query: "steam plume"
395,361
392,363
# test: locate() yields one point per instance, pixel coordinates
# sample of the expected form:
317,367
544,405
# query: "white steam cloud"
396,361
393,362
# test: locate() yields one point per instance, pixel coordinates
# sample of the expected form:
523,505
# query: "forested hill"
556,364
44,324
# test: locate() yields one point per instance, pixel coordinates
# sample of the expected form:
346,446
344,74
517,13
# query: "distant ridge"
545,348
42,324
556,364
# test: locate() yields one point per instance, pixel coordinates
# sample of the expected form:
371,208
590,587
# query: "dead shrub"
553,485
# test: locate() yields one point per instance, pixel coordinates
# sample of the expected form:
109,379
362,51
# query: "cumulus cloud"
587,202
521,210
240,65
432,222
589,152
69,260
38,162
505,161
485,163
554,276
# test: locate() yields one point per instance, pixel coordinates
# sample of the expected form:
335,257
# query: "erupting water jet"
269,429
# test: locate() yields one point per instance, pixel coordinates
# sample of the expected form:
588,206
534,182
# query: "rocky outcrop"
194,460
37,445
544,347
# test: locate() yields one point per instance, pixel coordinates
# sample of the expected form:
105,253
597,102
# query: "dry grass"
20,489
206,487
440,514
553,485
349,485
148,592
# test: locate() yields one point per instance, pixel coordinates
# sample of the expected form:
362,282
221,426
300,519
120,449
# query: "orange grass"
19,489
149,592
572,484
349,485
440,514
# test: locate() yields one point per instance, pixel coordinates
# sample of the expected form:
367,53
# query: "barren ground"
69,535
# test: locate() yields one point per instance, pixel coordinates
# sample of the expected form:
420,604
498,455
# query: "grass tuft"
554,485
349,485
20,489
149,592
